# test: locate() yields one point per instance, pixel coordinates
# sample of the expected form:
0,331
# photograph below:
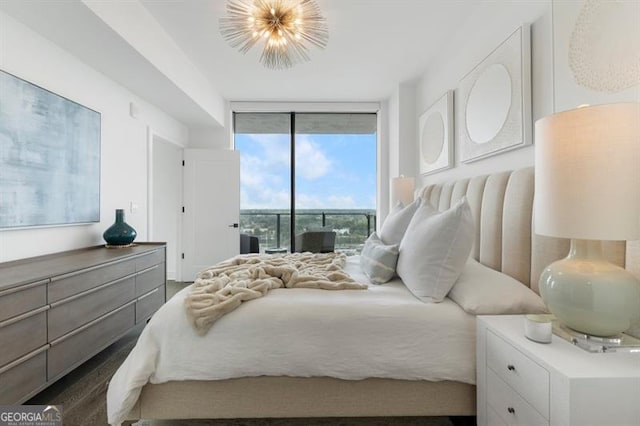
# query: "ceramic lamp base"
589,294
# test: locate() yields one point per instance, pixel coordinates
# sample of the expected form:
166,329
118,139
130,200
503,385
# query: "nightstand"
520,382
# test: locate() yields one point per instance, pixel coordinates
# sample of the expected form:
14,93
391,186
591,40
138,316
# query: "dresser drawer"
22,334
25,298
64,286
74,348
148,260
509,406
525,376
23,378
69,314
147,304
149,279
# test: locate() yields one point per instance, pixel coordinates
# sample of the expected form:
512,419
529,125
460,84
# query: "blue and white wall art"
49,157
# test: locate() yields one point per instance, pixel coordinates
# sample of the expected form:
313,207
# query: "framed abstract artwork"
495,100
49,157
435,136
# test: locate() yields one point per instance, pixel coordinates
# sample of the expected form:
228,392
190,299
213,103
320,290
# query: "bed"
350,373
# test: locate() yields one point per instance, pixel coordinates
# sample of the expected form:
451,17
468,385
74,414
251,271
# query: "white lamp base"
589,294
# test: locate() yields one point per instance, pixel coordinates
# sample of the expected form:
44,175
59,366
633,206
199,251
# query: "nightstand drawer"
493,418
509,406
526,377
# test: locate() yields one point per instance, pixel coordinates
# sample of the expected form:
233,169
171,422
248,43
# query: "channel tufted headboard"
502,206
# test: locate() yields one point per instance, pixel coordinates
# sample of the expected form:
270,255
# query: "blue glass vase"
120,233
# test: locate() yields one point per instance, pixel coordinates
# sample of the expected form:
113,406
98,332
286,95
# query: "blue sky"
332,171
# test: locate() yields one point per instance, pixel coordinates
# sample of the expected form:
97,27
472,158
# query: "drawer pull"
90,291
23,287
26,315
89,269
144,271
511,367
144,296
511,410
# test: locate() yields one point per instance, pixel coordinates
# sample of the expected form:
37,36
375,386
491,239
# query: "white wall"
124,139
478,36
209,138
568,94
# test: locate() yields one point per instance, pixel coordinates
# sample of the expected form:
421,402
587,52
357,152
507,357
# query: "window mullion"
292,222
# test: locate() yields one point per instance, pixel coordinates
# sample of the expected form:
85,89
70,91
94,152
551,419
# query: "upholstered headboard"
502,205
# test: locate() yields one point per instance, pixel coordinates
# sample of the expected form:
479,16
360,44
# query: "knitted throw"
223,287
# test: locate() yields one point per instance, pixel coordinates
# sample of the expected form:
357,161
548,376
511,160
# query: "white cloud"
311,161
261,174
265,198
276,149
305,201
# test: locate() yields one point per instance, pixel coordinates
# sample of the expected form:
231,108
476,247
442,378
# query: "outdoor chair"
249,244
316,241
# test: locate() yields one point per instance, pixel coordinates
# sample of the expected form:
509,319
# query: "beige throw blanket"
223,287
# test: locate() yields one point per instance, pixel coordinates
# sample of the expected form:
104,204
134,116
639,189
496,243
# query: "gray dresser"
58,310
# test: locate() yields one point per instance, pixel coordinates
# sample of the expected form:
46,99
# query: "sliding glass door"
264,142
335,176
306,172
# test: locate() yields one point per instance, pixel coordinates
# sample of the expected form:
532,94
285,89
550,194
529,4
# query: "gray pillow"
378,260
435,249
395,225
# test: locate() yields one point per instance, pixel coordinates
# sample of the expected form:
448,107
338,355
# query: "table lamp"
587,188
402,190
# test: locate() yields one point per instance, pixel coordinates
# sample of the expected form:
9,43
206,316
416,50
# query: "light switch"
133,207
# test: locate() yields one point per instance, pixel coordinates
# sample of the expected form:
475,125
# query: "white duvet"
383,331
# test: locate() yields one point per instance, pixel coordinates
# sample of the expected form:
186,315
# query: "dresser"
58,310
520,382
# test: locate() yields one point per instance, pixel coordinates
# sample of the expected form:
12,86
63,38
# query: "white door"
212,208
166,200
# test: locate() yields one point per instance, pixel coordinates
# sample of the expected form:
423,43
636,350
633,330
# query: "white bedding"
352,334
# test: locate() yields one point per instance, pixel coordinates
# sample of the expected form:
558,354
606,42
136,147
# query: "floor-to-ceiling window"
307,171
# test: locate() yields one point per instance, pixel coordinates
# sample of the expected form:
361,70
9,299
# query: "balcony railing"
273,227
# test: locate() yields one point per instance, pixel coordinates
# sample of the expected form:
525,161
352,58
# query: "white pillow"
378,260
435,249
395,225
484,291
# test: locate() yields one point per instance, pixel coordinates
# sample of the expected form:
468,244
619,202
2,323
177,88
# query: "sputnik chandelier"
285,27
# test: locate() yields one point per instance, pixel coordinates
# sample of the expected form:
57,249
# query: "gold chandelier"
285,27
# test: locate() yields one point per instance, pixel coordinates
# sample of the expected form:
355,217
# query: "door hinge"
183,255
182,209
182,163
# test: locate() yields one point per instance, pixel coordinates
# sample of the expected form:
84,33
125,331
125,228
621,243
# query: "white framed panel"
435,136
495,99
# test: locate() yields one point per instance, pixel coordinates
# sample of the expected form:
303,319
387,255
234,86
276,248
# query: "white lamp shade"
587,173
402,190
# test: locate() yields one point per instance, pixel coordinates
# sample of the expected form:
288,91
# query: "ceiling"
374,45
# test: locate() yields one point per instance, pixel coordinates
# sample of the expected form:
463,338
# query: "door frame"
152,137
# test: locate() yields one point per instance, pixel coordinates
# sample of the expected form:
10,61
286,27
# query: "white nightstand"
521,382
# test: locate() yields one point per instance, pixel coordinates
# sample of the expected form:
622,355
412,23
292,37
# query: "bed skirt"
262,397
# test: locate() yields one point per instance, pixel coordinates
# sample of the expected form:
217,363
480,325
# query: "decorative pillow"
395,225
483,291
435,249
378,260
